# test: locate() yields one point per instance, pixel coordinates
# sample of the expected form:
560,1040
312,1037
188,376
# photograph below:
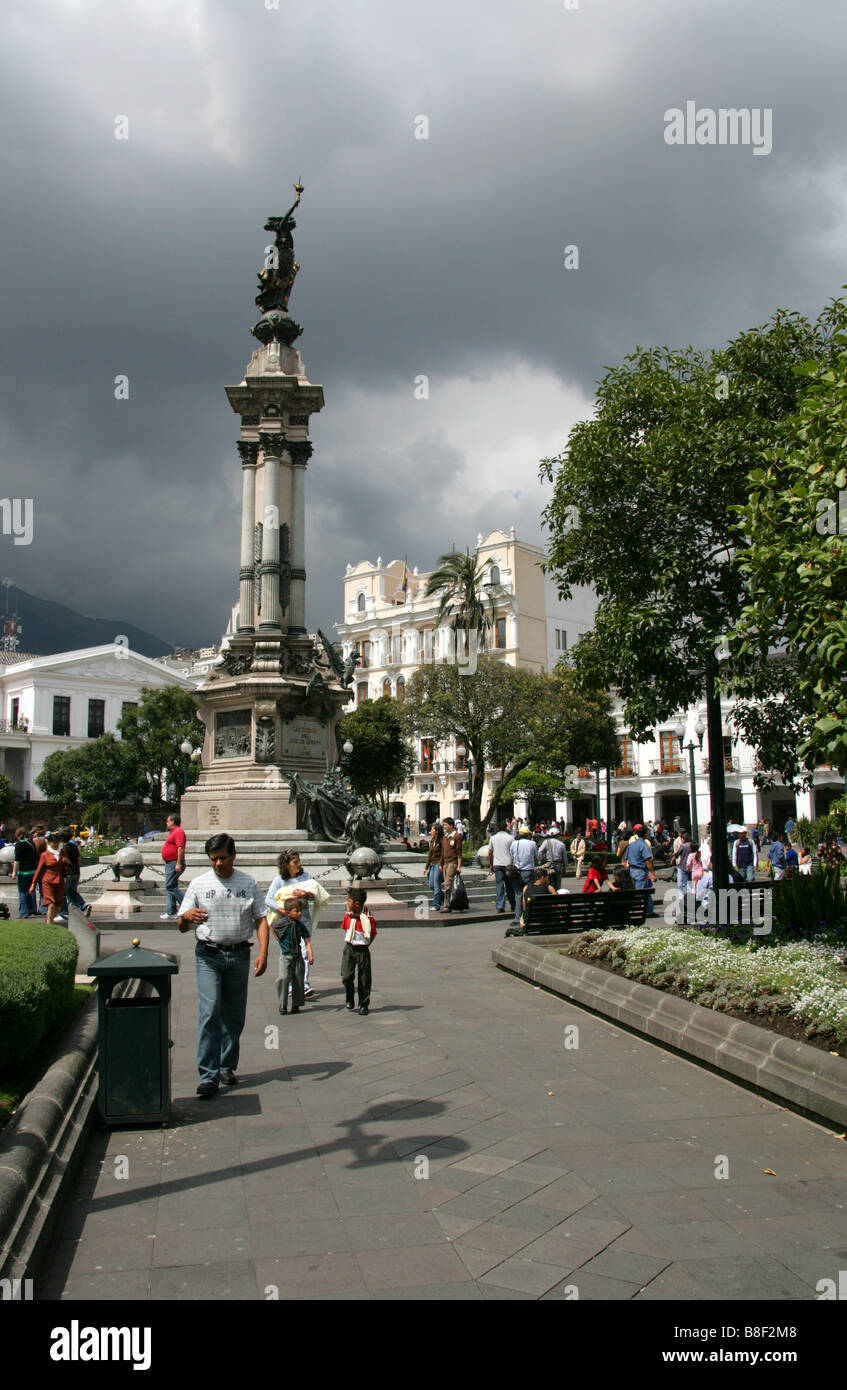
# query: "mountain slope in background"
49,627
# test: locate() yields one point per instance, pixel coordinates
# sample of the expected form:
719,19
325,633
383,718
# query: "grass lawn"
798,988
16,1082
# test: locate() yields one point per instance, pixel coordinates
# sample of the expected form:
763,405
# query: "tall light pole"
462,752
699,729
188,750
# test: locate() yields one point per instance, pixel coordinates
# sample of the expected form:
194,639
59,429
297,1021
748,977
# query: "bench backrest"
580,911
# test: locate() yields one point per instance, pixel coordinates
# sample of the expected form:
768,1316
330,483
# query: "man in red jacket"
173,856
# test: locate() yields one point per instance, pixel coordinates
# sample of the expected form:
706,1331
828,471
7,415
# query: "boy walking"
359,930
292,968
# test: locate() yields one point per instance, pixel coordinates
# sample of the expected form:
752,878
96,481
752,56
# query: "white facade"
395,634
77,691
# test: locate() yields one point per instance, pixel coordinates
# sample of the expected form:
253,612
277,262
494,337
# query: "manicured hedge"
37,966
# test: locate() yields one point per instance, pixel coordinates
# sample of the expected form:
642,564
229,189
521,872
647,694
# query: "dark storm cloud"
441,257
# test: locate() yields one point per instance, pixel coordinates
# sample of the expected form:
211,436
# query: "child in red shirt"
359,930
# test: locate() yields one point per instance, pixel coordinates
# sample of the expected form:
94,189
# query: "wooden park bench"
545,916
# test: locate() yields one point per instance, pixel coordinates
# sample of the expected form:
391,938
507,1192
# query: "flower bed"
799,987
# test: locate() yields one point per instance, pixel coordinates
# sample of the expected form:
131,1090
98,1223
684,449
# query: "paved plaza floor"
472,1138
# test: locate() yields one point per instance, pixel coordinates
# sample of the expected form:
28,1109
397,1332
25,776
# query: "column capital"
249,451
300,451
272,444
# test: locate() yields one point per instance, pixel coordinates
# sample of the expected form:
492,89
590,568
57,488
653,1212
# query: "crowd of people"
47,869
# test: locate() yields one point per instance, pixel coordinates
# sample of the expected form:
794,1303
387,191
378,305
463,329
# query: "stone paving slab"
450,1147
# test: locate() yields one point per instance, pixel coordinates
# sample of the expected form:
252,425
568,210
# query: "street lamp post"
463,752
699,729
188,750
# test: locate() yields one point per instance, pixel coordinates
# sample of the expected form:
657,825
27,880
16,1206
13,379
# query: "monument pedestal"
123,896
378,894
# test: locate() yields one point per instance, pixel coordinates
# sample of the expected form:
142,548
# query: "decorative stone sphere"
363,863
482,856
128,862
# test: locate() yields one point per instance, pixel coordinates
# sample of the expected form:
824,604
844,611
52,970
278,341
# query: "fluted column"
249,459
272,446
300,453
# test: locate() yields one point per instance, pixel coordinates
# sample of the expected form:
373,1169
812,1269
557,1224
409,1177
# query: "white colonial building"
50,703
391,625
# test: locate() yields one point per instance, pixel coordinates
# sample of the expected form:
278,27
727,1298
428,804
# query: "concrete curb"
42,1145
805,1077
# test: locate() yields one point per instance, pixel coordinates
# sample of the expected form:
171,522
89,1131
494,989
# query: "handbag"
458,896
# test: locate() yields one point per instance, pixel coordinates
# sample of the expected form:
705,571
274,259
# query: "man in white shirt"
524,854
500,861
223,906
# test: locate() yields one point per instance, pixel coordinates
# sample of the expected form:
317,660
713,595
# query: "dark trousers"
356,960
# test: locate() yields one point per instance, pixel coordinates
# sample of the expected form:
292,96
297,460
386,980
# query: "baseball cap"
639,826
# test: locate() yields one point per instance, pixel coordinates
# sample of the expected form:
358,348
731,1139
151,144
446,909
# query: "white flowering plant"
802,980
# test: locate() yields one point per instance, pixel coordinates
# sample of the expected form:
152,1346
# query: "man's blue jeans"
222,979
436,883
172,888
526,876
639,881
505,887
27,906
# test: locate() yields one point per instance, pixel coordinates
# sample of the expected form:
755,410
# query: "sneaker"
307,993
87,910
207,1089
283,1008
228,1078
60,917
351,1007
363,1009
168,917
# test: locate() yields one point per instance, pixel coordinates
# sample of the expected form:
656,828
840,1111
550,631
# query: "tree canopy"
510,718
459,578
381,757
643,505
103,770
795,565
153,730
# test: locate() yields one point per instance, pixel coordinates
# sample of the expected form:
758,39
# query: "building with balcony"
391,624
654,778
49,703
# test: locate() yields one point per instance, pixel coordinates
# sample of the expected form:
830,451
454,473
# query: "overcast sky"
441,256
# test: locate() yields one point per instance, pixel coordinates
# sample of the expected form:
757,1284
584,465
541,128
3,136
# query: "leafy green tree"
795,565
459,577
153,730
103,770
7,795
509,718
381,757
642,505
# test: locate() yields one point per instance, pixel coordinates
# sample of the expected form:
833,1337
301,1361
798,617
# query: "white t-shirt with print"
233,905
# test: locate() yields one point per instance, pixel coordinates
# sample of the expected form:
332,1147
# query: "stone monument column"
300,453
272,446
273,699
249,458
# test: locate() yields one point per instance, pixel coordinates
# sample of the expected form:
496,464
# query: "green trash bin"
134,1060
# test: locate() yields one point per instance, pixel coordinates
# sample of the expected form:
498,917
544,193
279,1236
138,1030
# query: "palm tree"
459,577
